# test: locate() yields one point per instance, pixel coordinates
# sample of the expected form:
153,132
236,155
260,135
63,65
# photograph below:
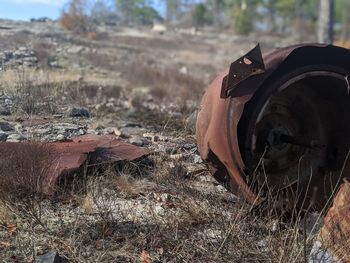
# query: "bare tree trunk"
345,22
298,25
326,21
171,10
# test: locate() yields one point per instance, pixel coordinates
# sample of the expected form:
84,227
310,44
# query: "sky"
26,9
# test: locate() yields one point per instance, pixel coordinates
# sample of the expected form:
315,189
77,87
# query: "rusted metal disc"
279,121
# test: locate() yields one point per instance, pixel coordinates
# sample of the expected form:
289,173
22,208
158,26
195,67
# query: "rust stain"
237,120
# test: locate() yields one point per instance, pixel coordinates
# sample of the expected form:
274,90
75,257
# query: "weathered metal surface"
333,242
68,157
72,155
238,130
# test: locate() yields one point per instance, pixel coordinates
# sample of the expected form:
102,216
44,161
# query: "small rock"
4,111
132,125
128,132
117,133
159,28
66,127
189,146
15,138
8,101
58,116
136,141
151,136
164,197
60,137
183,70
111,130
5,126
18,127
319,254
50,257
80,112
3,137
92,131
110,105
197,159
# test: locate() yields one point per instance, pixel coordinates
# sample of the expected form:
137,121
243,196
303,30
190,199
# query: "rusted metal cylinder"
279,121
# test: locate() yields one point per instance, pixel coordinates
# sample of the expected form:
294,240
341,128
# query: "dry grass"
129,212
46,91
166,84
23,169
5,214
9,79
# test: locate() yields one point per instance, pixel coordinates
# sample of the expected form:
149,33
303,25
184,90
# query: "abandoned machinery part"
278,123
72,158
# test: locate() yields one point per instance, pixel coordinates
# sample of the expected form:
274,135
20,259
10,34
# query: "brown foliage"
74,17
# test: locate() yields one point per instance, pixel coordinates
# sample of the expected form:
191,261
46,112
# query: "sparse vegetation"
143,88
75,17
166,215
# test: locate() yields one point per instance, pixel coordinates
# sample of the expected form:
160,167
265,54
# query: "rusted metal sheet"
68,157
72,155
333,242
267,110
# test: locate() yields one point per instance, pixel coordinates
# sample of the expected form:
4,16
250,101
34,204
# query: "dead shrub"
99,93
23,169
74,17
33,99
43,52
91,35
167,83
98,60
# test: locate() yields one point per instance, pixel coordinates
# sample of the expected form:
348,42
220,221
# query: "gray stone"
15,138
128,132
58,116
60,137
50,257
3,137
66,127
4,111
8,101
197,159
80,112
136,141
319,254
5,126
189,146
18,127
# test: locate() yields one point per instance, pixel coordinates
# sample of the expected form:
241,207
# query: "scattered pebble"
80,112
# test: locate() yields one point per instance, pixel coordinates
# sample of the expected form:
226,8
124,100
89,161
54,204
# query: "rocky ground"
143,87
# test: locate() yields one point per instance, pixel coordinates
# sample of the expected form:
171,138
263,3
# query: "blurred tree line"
298,17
